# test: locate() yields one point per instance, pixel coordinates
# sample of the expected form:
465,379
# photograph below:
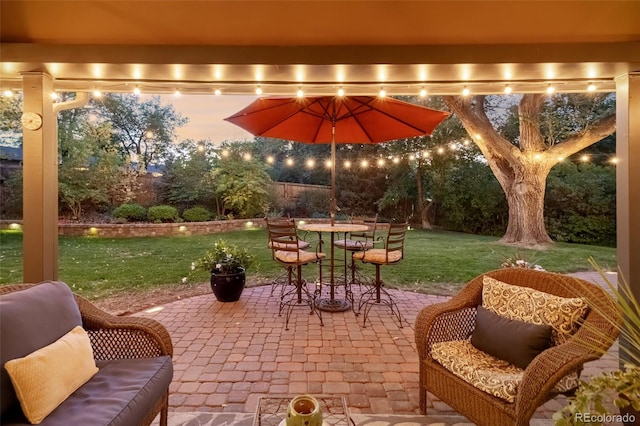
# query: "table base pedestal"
333,305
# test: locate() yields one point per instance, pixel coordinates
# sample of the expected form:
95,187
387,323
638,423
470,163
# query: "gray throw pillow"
516,342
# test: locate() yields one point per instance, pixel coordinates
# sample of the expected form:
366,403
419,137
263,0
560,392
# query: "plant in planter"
227,264
594,399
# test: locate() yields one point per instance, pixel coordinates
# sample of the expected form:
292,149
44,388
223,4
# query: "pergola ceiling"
198,46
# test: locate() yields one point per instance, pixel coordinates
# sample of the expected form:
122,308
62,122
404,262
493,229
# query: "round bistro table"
332,304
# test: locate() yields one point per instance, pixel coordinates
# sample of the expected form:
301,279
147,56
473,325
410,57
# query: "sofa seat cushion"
120,394
486,372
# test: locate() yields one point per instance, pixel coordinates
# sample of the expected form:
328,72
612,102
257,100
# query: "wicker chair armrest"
547,369
451,320
115,337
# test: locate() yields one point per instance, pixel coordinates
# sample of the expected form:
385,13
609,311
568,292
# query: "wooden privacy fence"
289,193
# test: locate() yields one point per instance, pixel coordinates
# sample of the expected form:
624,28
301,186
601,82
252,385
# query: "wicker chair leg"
164,413
423,400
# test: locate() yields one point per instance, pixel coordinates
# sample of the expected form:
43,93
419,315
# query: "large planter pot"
227,287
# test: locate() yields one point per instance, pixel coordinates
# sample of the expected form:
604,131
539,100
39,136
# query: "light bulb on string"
584,158
217,92
270,159
441,150
395,160
97,93
382,93
550,90
465,91
177,92
591,87
364,164
327,164
614,160
8,93
341,92
136,91
381,162
423,93
347,164
311,163
300,93
258,90
54,96
507,89
289,161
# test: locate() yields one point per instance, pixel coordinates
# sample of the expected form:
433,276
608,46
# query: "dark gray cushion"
516,342
121,394
29,320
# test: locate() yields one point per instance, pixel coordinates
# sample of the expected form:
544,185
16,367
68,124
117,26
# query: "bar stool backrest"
395,239
283,236
369,234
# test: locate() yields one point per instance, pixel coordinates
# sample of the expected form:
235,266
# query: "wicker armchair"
121,338
455,320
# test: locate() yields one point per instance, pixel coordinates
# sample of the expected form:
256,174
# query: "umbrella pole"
333,174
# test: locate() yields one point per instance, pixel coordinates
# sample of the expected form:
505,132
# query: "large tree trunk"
525,195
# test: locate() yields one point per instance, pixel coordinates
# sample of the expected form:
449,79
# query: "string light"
300,93
289,161
550,89
97,93
591,87
396,160
614,160
347,164
341,92
7,93
311,163
453,147
270,159
426,154
246,156
136,91
382,93
327,164
258,90
217,92
364,164
177,92
381,162
54,96
584,158
465,91
423,93
441,150
507,89
225,153
412,157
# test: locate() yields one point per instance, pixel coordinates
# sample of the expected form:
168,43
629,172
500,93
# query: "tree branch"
592,134
529,116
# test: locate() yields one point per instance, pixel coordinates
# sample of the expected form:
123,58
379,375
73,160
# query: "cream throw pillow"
536,307
45,378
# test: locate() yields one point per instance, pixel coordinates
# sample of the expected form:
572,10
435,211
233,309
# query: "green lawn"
435,261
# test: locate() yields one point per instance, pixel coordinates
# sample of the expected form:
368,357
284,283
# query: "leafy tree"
10,112
143,131
240,182
580,203
187,180
549,129
89,171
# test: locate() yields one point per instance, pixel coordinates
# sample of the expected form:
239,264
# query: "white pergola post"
40,182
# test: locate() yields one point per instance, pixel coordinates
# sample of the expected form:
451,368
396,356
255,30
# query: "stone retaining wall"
147,229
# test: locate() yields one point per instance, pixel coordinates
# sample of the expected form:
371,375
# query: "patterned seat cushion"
354,244
301,244
486,372
535,307
378,256
301,256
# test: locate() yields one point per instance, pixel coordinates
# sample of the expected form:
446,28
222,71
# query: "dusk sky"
206,113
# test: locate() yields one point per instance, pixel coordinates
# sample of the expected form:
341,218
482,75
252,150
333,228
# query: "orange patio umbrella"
336,119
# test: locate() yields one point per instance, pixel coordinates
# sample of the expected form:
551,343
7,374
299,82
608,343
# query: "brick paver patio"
227,355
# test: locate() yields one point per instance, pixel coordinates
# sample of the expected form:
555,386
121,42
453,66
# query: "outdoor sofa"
53,341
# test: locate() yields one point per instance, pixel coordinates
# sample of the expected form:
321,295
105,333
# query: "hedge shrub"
163,214
196,214
129,212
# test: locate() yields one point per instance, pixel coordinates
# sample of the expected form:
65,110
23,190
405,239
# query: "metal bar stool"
393,252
